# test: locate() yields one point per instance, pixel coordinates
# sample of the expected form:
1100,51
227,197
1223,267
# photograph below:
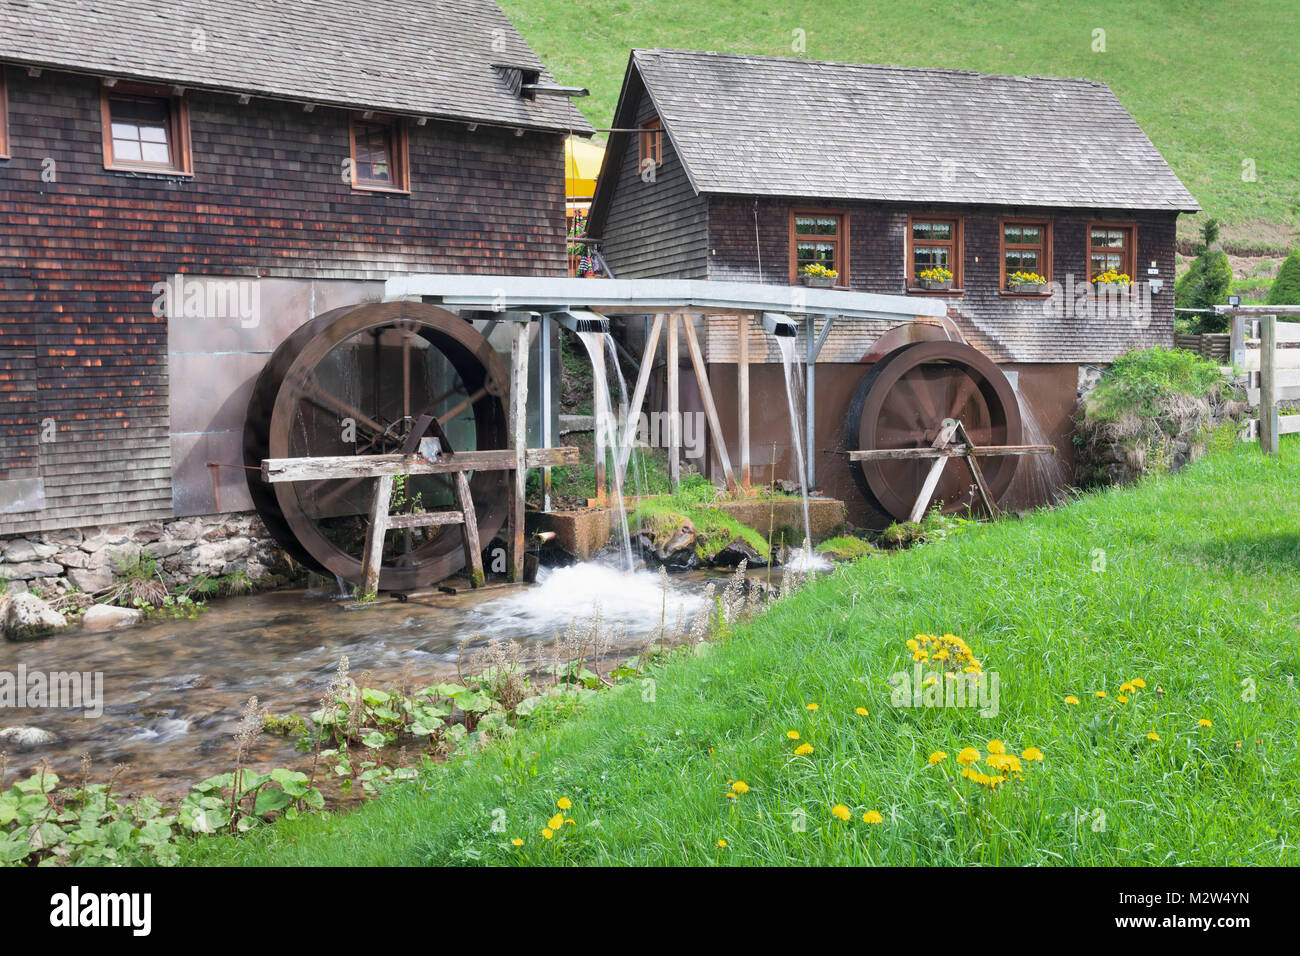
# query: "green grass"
845,548
1187,581
714,528
1210,82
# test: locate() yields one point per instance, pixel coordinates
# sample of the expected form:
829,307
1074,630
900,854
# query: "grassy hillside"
1212,83
1145,643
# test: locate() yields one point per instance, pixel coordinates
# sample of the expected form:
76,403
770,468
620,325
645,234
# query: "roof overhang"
616,297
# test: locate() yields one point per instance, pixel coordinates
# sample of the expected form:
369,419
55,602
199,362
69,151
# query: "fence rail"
1270,385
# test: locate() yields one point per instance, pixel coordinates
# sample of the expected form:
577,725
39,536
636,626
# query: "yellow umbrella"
582,160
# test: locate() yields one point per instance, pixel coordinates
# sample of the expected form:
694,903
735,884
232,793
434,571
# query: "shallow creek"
172,690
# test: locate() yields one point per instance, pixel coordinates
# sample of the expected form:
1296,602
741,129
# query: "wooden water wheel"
356,381
903,402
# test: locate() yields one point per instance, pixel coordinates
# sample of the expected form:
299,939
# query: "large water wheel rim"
476,363
892,486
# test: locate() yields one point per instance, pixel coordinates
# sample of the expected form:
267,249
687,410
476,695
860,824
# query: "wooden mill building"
307,149
749,168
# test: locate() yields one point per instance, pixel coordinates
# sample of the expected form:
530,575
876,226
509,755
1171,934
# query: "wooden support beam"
742,391
951,451
473,549
424,519
373,555
372,466
936,470
1268,423
519,446
674,404
710,409
972,460
638,395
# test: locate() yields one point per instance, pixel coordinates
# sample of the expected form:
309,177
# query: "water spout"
608,434
793,396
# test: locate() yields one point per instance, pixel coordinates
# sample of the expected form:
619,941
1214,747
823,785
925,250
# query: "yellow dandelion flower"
1127,688
547,833
1005,762
1072,700
1122,699
812,706
968,756
937,757
556,821
517,842
871,816
792,734
841,811
1138,682
803,750
997,747
740,786
862,712
564,803
722,844
1204,723
1101,694
1032,753
570,822
731,796
1153,736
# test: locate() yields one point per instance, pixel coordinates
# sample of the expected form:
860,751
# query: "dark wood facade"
664,229
81,248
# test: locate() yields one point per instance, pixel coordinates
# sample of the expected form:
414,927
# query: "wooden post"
473,549
1268,423
373,555
1237,342
638,393
519,444
742,388
674,403
706,395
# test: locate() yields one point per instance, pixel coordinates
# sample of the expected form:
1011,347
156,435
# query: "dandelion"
1127,688
1138,682
570,821
1032,753
1101,694
871,816
937,757
555,822
740,786
812,706
1006,762
516,842
564,803
1204,723
1153,736
731,796
722,844
1122,699
968,756
841,811
862,712
1072,700
792,734
547,833
997,747
803,750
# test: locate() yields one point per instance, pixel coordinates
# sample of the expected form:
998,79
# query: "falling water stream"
794,399
595,344
1046,475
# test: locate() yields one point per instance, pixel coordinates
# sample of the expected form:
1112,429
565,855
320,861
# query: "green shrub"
1143,381
845,548
1286,287
1206,283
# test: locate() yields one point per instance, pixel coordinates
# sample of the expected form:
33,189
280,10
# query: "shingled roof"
413,57
755,125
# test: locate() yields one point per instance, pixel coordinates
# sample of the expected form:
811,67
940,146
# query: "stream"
172,689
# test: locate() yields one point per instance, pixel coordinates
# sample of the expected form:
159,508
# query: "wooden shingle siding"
1009,328
79,257
657,229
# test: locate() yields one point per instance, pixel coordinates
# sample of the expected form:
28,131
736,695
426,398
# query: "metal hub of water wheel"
353,382
902,403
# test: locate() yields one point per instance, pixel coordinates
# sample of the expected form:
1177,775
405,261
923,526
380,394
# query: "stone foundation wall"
90,559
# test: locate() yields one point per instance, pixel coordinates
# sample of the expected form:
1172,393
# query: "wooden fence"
1271,388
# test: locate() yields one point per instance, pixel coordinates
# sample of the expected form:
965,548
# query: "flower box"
819,282
1029,288
935,284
